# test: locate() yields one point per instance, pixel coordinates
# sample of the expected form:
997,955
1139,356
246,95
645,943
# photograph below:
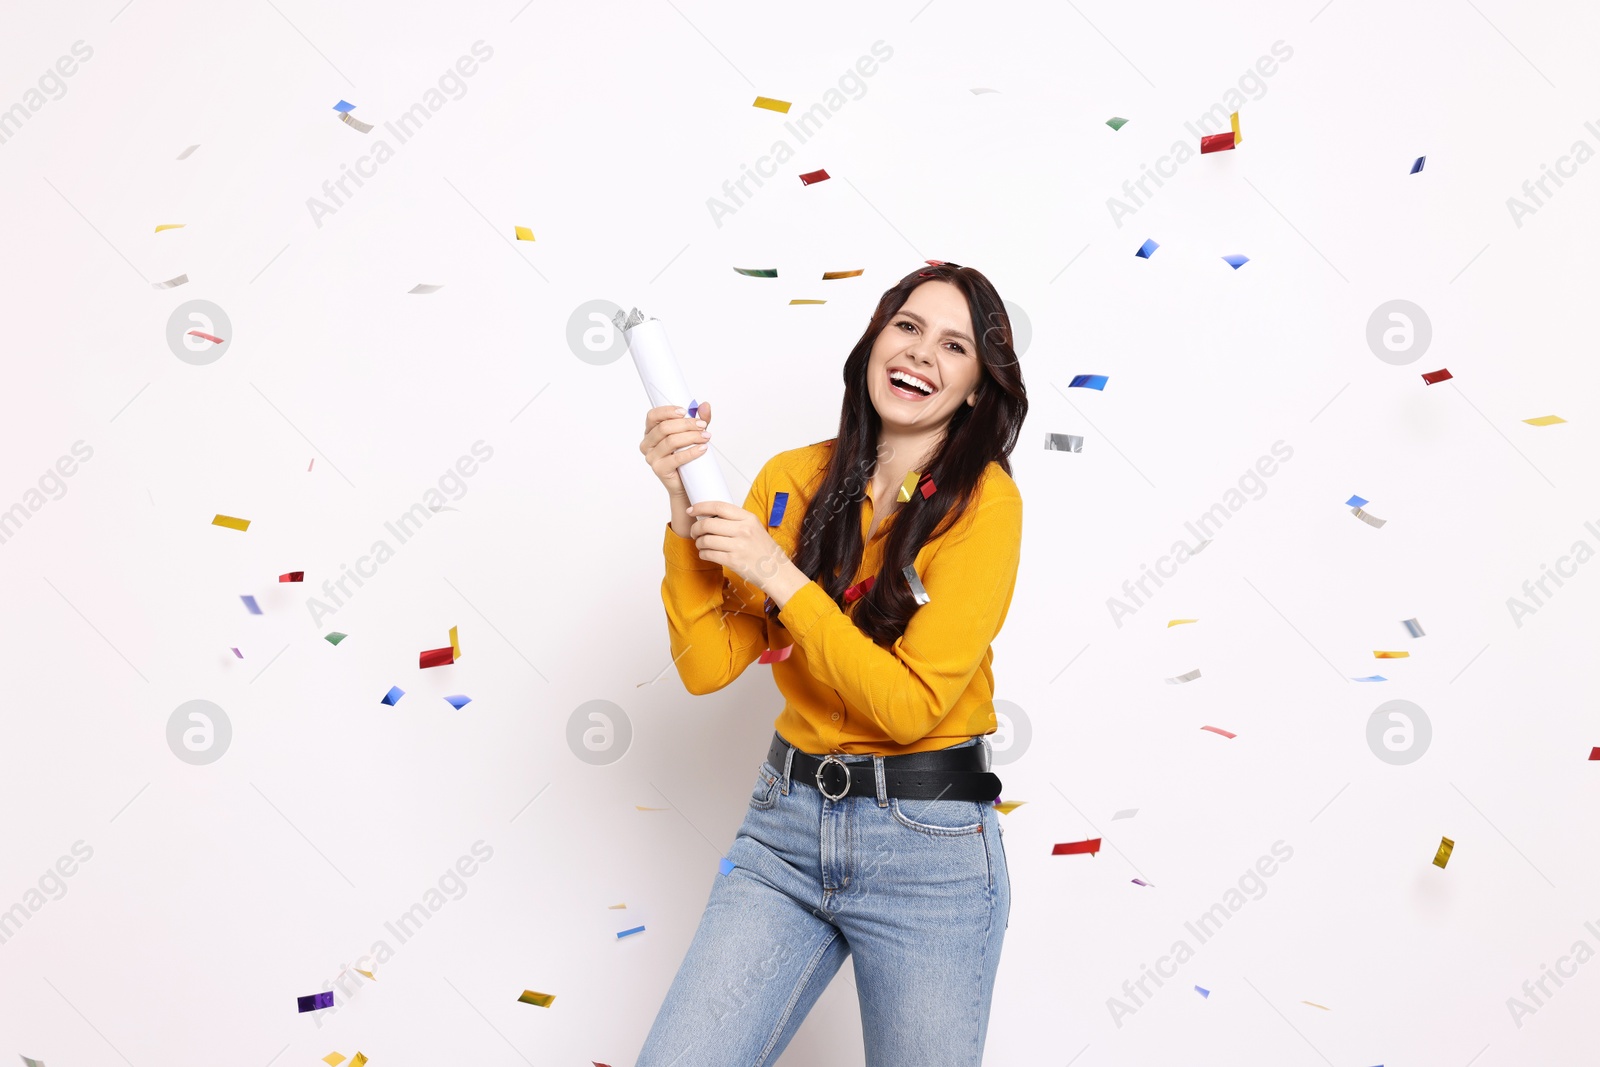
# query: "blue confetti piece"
725,865
635,930
1417,166
315,1001
1146,249
1355,502
780,501
1203,992
694,405
1235,261
344,105
392,697
250,602
1372,678
1088,381
458,701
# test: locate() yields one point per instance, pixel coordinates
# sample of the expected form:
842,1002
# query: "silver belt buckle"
824,789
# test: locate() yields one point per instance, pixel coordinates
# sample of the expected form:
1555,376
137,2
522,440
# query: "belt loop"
788,762
877,772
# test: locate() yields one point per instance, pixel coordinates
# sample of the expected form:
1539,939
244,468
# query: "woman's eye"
959,349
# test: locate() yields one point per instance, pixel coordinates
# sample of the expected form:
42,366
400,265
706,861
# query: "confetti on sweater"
780,503
231,523
1077,848
918,591
776,655
725,865
781,106
860,589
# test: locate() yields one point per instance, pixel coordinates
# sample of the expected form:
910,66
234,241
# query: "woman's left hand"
729,535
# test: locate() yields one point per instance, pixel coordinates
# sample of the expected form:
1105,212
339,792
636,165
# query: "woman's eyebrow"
920,321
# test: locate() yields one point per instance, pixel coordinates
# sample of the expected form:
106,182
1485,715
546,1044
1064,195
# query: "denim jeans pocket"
764,794
938,818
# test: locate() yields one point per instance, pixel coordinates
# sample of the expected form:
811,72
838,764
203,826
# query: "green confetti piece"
335,637
1116,123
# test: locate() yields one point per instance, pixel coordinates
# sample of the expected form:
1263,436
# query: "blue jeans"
917,890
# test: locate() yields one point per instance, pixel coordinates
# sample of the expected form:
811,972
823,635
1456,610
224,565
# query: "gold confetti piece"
614,907
171,226
350,120
640,807
367,974
455,643
231,523
523,233
539,999
1307,1001
1237,136
781,106
333,1059
808,301
358,1060
1392,655
1542,420
182,279
1179,622
1442,857
834,275
1009,806
1370,520
908,486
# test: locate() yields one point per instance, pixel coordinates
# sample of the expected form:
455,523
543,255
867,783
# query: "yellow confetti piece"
614,907
1544,420
358,1060
333,1059
455,644
367,974
1237,136
770,104
523,233
541,1000
1179,622
171,226
1392,655
834,275
1315,1005
1442,857
908,486
231,523
1009,806
808,301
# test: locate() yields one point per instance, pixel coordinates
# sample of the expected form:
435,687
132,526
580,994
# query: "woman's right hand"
671,440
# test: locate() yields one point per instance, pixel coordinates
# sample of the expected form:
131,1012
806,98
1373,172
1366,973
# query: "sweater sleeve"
909,687
715,623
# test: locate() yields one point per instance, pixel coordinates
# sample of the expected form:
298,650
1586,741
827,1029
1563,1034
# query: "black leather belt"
943,774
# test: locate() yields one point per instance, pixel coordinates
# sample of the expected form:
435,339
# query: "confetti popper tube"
664,385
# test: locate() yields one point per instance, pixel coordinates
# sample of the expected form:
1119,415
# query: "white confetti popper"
664,385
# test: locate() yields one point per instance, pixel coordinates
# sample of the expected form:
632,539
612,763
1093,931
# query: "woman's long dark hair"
830,546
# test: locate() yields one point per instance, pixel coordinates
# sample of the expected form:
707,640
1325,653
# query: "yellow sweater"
932,688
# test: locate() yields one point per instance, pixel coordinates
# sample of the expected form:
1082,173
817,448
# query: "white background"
217,894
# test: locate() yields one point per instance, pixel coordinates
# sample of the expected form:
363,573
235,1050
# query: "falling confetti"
1416,168
293,576
625,933
251,605
758,272
1203,992
1370,520
171,226
1217,142
459,701
1147,249
807,302
1088,381
343,106
725,865
231,523
1391,655
1310,1004
1140,881
333,1059
436,657
812,177
236,652
1063,442
187,151
1009,806
1434,377
171,283
355,123
1186,677
523,233
424,288
1371,678
1544,420
1236,261
781,106
539,999
835,275
1125,813
1442,857
1413,627
1179,622
980,92
392,697
1077,848
1116,122
316,1001
1219,730
205,336
455,642
335,637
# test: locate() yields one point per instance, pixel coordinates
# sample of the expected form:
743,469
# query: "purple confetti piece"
315,1001
236,652
250,603
694,405
1417,166
1138,881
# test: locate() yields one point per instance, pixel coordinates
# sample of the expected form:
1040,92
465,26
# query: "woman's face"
932,338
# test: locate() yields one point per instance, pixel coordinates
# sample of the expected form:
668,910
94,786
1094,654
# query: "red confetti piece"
814,176
1218,730
1217,142
1595,754
437,657
293,576
860,589
1435,377
1076,848
207,336
928,488
776,655
934,262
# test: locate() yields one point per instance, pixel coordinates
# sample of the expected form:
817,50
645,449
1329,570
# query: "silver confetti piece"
1370,520
916,585
350,120
421,288
1180,679
626,322
185,155
1413,627
1062,442
32,1063
170,282
1125,813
